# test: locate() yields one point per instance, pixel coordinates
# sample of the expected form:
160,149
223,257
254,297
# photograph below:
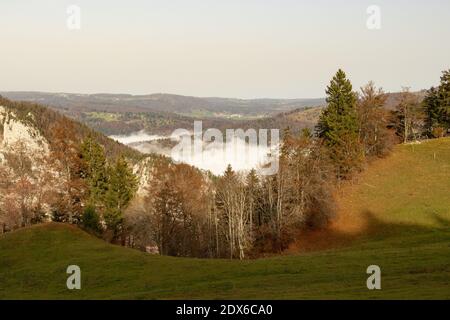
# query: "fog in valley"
215,157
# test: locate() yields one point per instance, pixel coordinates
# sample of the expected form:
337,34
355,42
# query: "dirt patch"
353,217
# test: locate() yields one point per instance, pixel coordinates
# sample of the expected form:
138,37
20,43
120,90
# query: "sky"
227,48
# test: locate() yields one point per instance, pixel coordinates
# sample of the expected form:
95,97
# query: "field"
106,116
396,215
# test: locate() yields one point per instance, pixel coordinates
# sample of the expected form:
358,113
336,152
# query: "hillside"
406,191
406,233
43,120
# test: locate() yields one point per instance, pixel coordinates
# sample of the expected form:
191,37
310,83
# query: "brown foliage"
67,162
24,187
377,140
174,212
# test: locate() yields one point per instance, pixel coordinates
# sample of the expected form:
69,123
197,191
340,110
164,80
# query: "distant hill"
296,120
120,114
394,98
161,114
184,105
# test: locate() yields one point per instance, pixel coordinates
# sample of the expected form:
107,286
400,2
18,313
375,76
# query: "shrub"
438,132
91,220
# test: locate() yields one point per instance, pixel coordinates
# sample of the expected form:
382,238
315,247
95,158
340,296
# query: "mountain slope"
40,119
410,241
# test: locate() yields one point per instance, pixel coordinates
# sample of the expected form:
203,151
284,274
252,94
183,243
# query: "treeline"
429,118
437,108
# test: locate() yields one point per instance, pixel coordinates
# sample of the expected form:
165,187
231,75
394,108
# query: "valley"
410,244
224,150
134,217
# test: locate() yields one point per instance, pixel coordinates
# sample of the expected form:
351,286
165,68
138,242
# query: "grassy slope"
412,186
404,198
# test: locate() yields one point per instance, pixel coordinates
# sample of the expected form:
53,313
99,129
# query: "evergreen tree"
121,189
96,174
444,98
229,173
432,109
340,114
338,125
91,220
436,105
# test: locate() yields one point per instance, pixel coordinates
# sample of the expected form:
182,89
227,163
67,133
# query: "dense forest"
89,180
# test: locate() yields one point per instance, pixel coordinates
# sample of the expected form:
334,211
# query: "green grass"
410,242
411,186
105,116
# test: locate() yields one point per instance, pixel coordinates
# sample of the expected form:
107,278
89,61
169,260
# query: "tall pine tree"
338,125
433,111
444,98
340,114
121,188
436,105
96,174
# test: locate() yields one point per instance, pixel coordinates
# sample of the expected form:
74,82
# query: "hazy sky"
228,48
